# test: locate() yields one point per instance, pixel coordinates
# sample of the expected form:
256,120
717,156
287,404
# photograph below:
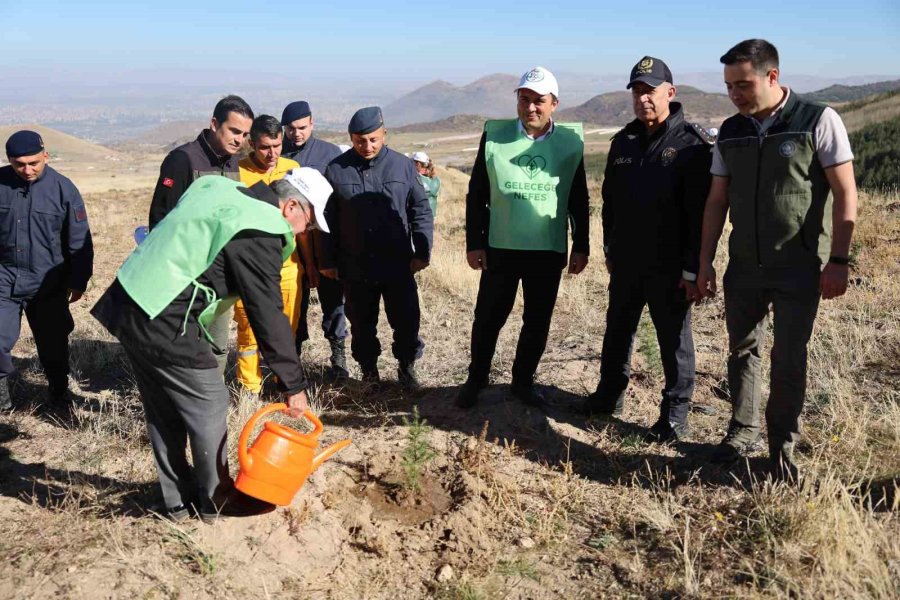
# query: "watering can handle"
243,455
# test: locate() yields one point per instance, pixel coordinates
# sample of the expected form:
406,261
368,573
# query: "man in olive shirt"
783,168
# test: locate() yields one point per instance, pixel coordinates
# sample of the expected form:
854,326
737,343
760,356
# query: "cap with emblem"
366,120
315,188
420,157
295,110
24,143
539,80
651,71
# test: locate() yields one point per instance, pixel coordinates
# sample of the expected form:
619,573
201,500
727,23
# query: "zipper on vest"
759,147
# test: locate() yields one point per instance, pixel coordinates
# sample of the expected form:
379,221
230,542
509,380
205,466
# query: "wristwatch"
839,260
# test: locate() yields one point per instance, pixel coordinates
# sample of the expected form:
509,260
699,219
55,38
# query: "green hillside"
876,148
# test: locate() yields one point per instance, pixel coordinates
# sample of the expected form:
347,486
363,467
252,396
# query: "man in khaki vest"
783,168
528,185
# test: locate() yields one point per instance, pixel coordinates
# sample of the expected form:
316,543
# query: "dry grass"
541,504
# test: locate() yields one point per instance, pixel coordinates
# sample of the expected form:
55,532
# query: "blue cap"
295,110
366,120
24,143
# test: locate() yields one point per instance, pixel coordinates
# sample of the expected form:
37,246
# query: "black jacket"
654,192
315,153
478,220
181,167
249,266
379,217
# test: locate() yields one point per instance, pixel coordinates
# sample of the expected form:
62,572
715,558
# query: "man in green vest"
528,184
783,168
222,242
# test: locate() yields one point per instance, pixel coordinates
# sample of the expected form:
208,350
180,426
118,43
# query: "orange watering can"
281,458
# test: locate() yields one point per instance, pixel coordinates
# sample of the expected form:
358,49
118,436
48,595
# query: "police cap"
24,143
366,120
295,110
651,71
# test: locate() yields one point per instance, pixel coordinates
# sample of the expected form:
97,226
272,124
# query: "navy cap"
24,143
366,120
295,110
651,71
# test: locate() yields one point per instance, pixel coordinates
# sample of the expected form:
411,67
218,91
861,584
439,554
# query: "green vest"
184,244
530,184
780,201
432,187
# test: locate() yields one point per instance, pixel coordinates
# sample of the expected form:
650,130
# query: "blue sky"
457,41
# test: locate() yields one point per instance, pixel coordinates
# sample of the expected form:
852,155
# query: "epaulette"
704,134
617,134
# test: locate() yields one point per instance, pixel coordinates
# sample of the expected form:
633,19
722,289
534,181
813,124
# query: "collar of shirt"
540,137
762,127
376,160
207,147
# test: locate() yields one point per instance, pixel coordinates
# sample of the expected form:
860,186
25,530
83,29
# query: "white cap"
539,80
315,188
420,157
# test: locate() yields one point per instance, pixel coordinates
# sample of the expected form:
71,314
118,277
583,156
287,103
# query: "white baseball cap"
315,188
539,80
420,157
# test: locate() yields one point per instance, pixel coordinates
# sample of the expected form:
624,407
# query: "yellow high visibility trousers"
249,373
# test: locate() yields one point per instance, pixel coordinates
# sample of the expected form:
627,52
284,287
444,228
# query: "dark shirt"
379,217
478,221
248,266
45,239
182,167
654,192
315,153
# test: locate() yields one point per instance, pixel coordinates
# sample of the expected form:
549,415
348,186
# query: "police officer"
46,260
381,235
310,151
527,184
214,152
654,188
783,169
222,242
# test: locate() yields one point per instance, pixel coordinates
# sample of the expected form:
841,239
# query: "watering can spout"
328,453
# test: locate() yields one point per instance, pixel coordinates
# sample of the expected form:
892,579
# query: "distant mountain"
846,93
454,124
64,147
614,108
491,96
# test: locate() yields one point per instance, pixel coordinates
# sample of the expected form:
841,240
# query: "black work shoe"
664,432
527,394
177,514
338,369
732,448
468,394
5,399
406,376
595,406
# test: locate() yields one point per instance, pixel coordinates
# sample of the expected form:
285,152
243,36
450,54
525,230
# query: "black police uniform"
380,220
654,192
316,154
45,250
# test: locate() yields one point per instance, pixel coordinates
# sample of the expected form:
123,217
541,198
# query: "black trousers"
331,301
51,323
401,305
629,292
496,296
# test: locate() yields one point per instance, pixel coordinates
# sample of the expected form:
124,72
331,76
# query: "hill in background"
847,93
490,96
64,147
454,124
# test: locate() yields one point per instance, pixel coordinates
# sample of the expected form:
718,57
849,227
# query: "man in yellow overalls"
266,164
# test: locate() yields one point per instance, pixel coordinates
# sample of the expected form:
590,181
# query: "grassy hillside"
875,109
518,502
615,108
846,93
876,148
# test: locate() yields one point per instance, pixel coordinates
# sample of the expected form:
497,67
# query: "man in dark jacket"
46,260
655,185
528,186
309,151
382,229
161,303
214,152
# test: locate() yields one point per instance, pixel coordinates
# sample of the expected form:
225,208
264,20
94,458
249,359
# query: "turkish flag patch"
168,182
80,214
